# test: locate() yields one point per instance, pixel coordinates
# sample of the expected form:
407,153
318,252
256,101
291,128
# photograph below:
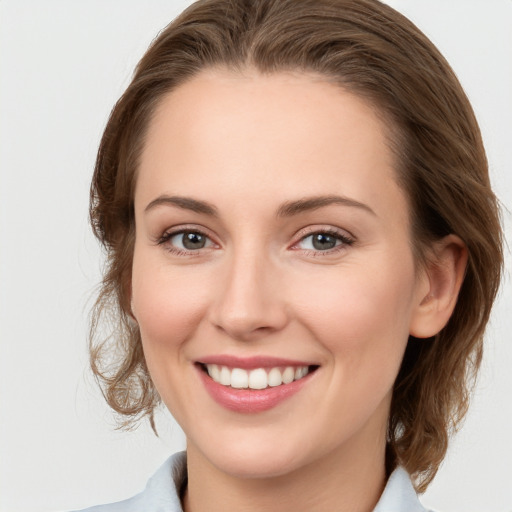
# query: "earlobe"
442,280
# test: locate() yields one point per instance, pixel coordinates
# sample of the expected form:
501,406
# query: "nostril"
244,329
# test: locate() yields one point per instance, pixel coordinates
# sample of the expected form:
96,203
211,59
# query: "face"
273,278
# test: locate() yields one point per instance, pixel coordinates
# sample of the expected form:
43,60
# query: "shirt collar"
398,495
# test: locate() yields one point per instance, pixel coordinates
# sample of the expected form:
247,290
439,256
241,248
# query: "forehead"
278,135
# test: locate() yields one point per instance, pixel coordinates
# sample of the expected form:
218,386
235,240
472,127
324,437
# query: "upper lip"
250,363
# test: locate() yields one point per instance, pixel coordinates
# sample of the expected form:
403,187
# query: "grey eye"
190,240
320,242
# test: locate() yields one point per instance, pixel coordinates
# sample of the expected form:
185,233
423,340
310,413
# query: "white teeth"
239,378
274,377
214,372
258,378
300,372
288,375
225,376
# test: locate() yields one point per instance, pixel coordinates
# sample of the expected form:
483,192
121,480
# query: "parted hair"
374,52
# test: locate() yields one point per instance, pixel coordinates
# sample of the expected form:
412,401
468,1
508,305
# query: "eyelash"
344,239
166,237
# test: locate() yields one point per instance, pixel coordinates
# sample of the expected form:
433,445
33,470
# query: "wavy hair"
376,53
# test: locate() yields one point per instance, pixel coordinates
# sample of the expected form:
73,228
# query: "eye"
185,241
189,240
323,241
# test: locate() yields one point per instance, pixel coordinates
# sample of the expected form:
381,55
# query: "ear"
439,286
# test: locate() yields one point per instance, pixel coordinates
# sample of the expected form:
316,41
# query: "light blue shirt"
159,496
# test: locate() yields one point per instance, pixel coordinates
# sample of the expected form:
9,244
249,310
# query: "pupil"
322,241
193,241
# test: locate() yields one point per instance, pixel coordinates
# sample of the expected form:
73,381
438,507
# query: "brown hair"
373,51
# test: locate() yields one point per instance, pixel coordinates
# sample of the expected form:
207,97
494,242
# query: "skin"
247,144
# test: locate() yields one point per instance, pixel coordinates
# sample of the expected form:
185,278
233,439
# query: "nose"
251,303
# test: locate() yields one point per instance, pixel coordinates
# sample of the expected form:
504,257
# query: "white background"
62,66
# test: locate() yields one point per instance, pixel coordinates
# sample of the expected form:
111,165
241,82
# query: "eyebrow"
312,203
187,203
287,209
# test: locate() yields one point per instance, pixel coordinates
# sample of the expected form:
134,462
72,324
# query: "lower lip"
251,400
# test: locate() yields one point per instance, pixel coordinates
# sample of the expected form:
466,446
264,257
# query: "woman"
303,251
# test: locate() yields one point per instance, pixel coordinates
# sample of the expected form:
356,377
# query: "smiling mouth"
257,378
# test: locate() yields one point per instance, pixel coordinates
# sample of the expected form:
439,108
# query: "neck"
346,479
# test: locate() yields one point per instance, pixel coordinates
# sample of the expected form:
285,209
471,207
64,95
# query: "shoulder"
160,494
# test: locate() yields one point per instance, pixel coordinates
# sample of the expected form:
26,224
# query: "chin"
258,466
250,459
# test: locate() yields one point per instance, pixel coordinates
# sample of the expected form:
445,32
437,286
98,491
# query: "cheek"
362,320
168,303
359,313
168,306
